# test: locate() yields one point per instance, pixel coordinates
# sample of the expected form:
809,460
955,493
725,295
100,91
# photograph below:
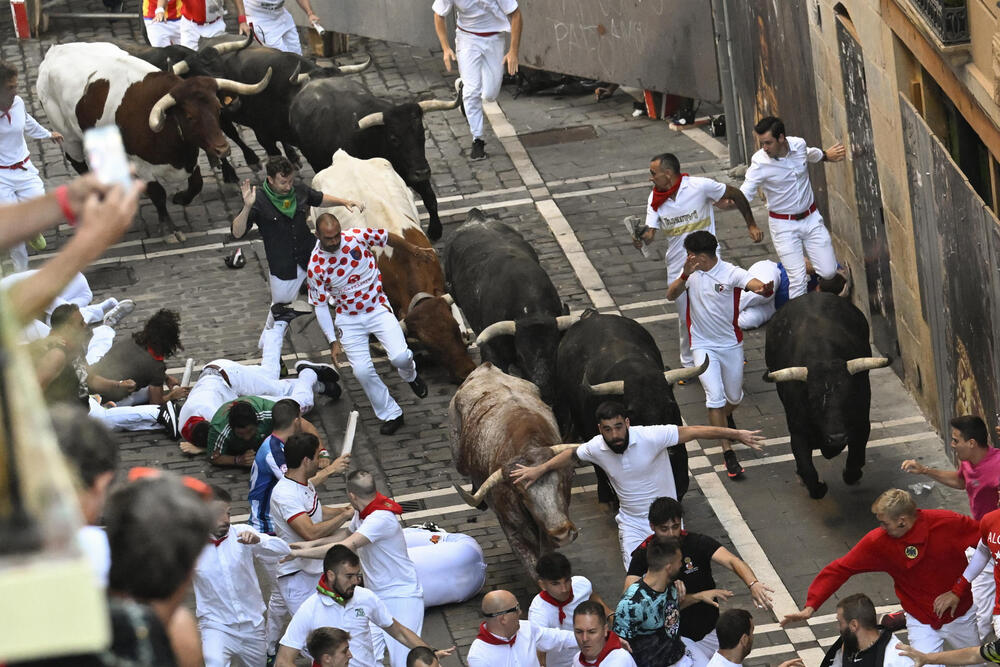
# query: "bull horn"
354,69
448,299
417,298
235,45
181,68
679,374
300,80
861,364
245,88
563,447
158,114
501,328
612,388
564,322
486,487
294,78
439,105
799,373
371,120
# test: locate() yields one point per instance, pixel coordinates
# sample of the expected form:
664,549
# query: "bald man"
506,641
343,270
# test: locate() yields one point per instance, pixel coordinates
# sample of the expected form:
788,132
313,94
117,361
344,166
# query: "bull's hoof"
434,231
818,491
852,475
229,174
173,238
182,198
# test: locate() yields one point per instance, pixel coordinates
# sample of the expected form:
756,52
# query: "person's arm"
441,28
862,558
158,397
749,438
331,200
160,15
33,129
516,23
49,366
970,655
759,287
307,530
752,181
677,287
759,592
263,544
949,478
340,514
947,602
834,153
286,656
241,17
102,385
710,596
529,474
404,635
338,465
419,252
307,8
743,206
239,226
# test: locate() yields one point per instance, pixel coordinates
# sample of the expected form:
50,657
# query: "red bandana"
610,645
381,503
188,429
323,589
660,196
491,638
6,113
556,603
153,354
218,542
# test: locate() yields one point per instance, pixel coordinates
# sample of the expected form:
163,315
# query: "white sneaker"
119,313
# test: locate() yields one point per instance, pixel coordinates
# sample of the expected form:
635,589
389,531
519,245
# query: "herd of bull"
172,102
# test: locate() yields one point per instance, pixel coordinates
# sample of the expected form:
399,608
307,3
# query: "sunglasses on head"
516,608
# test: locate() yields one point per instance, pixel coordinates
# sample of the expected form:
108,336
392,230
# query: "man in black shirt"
666,517
279,209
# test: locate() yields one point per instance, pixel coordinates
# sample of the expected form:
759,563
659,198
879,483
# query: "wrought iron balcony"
948,18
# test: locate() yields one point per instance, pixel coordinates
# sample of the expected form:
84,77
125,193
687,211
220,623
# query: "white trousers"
755,310
707,645
808,237
410,613
20,185
100,342
277,610
239,644
694,650
723,379
263,380
163,33
277,31
282,291
191,32
983,597
296,589
681,303
129,418
960,633
480,64
207,395
353,332
632,531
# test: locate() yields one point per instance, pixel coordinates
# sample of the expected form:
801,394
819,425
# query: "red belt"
478,34
18,165
793,216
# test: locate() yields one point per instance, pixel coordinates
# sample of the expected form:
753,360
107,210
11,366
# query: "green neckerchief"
323,590
284,203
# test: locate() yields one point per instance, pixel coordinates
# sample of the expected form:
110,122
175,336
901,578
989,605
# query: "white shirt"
714,306
766,271
524,653
478,15
320,611
389,572
268,8
226,588
546,615
689,210
785,180
290,499
93,541
719,661
14,124
207,395
642,473
617,658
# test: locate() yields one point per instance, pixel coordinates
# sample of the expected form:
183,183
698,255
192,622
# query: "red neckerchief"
7,114
381,503
491,638
660,196
612,643
323,589
188,429
646,542
556,603
158,357
218,542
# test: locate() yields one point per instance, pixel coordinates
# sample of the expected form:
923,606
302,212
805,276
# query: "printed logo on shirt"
720,288
689,567
911,552
355,253
359,613
993,538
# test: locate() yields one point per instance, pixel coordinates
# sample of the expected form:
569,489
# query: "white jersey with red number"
714,306
349,277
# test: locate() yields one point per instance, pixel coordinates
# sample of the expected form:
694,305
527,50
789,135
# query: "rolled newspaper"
352,426
319,29
188,367
636,227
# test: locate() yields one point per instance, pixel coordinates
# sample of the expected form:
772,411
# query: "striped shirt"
221,438
268,467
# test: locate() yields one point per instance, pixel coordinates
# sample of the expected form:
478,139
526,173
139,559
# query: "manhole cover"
560,135
108,277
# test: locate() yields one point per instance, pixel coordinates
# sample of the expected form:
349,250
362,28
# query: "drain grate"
560,135
110,277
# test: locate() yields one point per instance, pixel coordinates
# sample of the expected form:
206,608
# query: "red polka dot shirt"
348,279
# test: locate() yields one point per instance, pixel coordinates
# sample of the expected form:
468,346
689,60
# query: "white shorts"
192,33
277,31
723,379
163,33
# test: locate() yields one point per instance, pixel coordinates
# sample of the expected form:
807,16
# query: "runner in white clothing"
781,170
479,44
636,461
735,630
756,309
274,26
680,204
229,602
599,646
506,641
713,288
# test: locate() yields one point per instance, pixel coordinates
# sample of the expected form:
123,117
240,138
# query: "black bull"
609,357
818,354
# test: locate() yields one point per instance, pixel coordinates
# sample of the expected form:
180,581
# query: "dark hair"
279,166
667,161
591,607
156,529
771,124
338,554
162,333
8,71
834,285
701,242
323,641
299,447
220,494
860,608
242,414
361,483
284,413
660,552
199,434
62,314
420,654
971,428
610,410
731,626
665,509
326,219
86,443
553,566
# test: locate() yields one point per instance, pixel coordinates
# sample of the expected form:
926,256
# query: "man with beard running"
635,459
862,642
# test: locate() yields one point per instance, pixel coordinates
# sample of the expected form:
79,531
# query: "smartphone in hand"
106,155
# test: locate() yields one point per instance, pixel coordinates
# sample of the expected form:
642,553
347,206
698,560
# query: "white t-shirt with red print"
348,279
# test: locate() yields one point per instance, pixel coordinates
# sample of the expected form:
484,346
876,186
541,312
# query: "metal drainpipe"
723,48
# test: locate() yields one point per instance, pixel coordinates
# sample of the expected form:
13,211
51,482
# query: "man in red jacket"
924,553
